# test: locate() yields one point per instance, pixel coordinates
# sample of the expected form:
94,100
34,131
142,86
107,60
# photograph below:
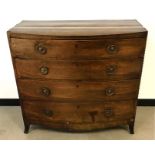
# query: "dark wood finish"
77,49
113,69
27,127
78,90
72,115
131,127
79,112
78,75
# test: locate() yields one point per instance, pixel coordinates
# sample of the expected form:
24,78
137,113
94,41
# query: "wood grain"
80,69
78,75
79,23
63,112
78,90
76,49
78,28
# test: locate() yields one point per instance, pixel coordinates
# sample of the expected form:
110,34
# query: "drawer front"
78,112
78,90
79,70
77,49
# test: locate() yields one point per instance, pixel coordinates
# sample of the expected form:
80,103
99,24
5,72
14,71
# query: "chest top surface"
76,28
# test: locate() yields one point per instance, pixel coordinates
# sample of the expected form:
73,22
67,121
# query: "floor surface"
11,127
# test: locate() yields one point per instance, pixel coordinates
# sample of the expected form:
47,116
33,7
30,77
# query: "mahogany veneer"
78,75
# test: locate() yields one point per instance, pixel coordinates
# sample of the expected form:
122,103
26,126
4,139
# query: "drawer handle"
67,123
109,91
111,69
108,112
48,113
44,70
45,91
112,49
41,49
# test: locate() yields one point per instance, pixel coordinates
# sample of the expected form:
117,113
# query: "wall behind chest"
12,12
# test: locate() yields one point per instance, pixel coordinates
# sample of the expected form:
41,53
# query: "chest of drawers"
78,75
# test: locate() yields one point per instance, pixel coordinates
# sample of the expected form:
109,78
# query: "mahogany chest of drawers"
78,75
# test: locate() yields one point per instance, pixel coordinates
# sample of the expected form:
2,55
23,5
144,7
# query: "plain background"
13,11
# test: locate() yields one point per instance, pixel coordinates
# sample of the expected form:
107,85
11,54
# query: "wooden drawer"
79,70
78,90
77,49
64,112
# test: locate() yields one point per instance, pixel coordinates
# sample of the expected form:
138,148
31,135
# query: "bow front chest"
78,75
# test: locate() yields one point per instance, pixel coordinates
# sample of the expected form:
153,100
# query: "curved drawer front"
79,70
67,113
78,90
78,49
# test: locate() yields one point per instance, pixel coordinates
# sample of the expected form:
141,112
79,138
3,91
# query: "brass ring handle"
111,69
48,113
109,91
108,112
45,91
41,49
67,123
44,70
112,49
